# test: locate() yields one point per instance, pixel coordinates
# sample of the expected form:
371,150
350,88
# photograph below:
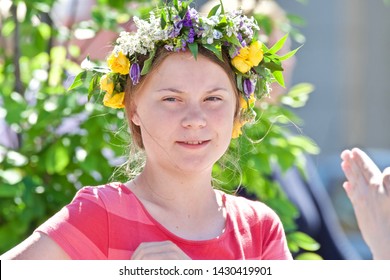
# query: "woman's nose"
194,117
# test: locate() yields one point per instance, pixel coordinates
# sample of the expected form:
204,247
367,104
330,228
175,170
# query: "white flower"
149,32
87,64
217,34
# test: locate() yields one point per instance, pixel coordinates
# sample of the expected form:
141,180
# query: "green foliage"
51,163
266,144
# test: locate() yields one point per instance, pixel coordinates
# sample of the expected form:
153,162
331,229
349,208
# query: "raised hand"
369,191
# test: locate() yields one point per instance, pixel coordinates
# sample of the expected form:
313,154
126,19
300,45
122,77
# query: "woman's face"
185,110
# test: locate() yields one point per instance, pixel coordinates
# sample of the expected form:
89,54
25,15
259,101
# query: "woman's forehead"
182,67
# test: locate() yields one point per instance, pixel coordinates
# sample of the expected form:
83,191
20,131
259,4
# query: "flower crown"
178,27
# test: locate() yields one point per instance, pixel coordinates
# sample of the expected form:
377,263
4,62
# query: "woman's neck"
174,189
186,205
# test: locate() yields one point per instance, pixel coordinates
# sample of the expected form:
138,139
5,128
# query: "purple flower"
174,32
242,41
191,36
190,17
177,26
236,52
183,45
169,48
193,14
135,73
199,31
187,21
249,87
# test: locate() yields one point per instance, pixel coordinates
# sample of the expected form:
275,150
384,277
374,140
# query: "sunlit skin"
185,110
369,191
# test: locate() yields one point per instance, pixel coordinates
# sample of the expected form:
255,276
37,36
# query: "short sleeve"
81,227
274,239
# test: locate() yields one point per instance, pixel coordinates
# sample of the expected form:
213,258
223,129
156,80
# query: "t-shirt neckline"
175,237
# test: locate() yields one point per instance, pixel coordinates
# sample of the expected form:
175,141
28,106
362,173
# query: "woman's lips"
193,144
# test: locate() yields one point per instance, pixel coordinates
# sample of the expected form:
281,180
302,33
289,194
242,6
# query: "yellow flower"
114,100
238,124
119,64
248,57
106,84
255,53
240,61
244,103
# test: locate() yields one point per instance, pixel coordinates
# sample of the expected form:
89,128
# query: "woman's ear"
131,109
134,117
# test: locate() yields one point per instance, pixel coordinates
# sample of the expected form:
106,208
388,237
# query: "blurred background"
47,145
346,57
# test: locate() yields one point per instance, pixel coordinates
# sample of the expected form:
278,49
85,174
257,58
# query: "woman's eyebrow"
217,89
175,90
170,89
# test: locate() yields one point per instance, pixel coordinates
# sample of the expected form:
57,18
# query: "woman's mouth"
193,143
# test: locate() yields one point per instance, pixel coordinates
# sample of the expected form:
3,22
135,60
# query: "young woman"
188,84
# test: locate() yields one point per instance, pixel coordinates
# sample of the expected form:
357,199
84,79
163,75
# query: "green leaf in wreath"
216,49
278,45
194,49
163,22
289,54
214,10
78,80
148,63
278,75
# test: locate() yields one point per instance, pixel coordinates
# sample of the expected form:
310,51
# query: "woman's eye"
213,98
170,99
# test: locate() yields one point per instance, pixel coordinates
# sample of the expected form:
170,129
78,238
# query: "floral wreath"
178,27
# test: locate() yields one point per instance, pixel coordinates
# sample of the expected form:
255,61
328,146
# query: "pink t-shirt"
109,222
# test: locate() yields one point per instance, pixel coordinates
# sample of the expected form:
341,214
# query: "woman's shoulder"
110,190
111,196
115,198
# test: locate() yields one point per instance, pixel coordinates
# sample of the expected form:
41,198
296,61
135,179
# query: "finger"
346,157
356,187
352,192
152,256
366,167
348,189
165,250
351,169
386,180
145,248
346,167
345,154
